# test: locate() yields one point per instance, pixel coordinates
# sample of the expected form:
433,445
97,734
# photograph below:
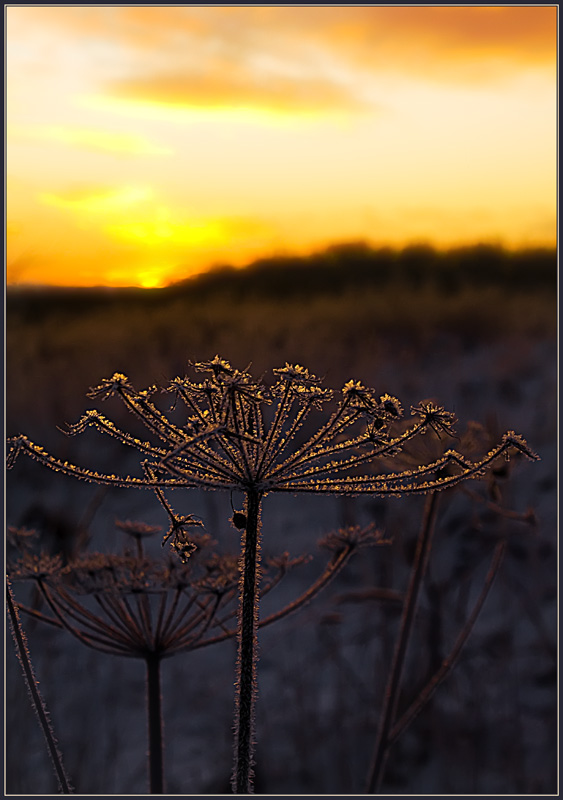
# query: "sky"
146,144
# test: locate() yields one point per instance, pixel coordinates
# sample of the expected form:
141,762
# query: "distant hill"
352,266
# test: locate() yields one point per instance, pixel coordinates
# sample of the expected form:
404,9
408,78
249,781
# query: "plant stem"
391,698
36,698
154,710
449,663
247,648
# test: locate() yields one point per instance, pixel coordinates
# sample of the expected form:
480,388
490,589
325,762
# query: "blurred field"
475,329
340,313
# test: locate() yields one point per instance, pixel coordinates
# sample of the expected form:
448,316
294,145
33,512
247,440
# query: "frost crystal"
239,433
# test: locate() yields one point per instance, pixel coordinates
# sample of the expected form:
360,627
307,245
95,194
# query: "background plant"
149,608
229,443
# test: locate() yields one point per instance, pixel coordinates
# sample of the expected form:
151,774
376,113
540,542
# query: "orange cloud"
297,58
221,87
448,43
523,34
300,57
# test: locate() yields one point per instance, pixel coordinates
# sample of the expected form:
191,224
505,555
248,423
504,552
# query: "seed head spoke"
75,611
94,419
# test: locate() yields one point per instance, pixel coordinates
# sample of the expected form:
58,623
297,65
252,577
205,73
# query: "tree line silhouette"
350,266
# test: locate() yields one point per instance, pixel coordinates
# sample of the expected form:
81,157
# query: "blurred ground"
483,346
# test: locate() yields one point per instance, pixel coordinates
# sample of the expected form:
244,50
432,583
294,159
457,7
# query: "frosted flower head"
117,384
296,374
359,397
297,437
390,406
242,384
435,417
218,366
181,531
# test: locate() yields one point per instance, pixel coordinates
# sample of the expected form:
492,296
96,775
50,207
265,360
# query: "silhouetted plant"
241,434
137,606
391,725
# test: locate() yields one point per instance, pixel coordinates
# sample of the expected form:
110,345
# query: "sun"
152,278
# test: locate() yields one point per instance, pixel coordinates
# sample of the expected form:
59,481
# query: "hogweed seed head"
240,434
435,418
31,566
139,605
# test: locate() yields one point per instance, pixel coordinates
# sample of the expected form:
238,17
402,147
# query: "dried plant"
138,606
239,434
22,652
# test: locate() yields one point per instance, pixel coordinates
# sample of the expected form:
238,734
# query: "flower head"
117,384
35,567
435,417
360,397
296,374
240,434
218,366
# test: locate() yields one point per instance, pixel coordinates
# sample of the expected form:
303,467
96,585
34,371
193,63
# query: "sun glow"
161,228
189,136
153,278
89,201
183,113
90,139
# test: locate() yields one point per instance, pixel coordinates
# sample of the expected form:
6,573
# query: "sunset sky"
148,143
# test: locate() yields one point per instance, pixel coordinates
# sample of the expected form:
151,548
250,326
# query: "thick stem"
154,710
391,698
247,648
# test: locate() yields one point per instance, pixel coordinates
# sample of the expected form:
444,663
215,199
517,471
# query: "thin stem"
276,425
391,698
108,637
247,648
154,711
448,663
32,612
331,570
36,698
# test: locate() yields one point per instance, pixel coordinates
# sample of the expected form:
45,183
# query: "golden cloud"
228,88
100,200
296,58
90,139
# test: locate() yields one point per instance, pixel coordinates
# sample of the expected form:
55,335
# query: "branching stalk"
451,660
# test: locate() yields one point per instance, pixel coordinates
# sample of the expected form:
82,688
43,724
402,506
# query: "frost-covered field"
491,727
